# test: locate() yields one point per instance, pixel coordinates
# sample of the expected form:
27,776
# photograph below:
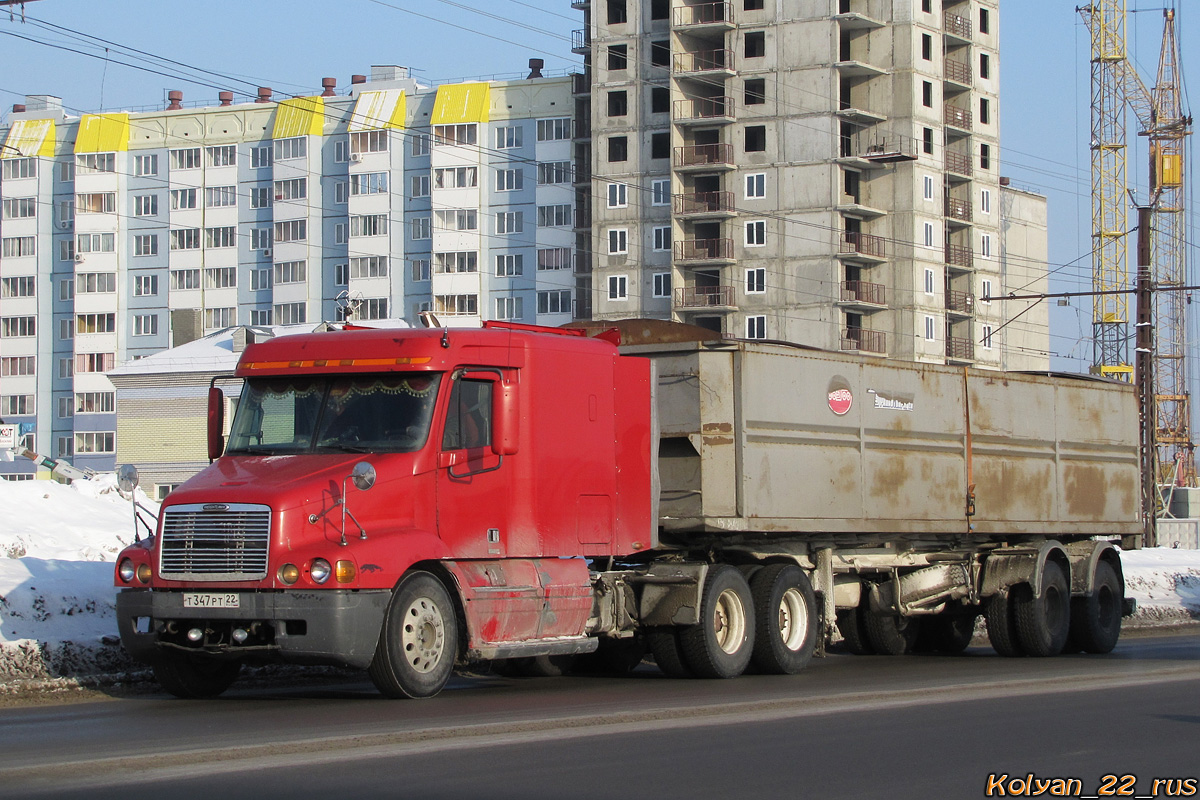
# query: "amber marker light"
289,574
346,571
143,573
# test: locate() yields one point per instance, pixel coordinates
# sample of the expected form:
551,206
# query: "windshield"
334,414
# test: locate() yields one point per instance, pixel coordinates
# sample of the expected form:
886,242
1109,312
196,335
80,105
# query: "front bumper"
335,627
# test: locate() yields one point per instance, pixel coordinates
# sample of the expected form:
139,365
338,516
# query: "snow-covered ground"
58,544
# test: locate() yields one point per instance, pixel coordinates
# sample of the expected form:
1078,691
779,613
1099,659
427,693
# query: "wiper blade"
338,447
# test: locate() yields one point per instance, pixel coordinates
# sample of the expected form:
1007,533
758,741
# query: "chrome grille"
215,542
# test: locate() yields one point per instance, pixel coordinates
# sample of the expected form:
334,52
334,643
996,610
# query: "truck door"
472,483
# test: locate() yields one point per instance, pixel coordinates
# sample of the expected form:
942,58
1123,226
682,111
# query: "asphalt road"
848,727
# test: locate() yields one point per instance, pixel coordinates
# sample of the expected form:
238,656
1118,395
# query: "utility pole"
1144,378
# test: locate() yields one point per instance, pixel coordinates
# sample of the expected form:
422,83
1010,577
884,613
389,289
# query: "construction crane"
1166,124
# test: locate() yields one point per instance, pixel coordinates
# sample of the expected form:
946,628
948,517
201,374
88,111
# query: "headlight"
289,574
143,573
320,570
127,570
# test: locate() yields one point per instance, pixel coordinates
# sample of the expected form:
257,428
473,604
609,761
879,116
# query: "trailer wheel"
664,646
720,645
613,657
998,613
785,625
948,632
891,634
854,631
195,677
419,640
1043,622
1096,619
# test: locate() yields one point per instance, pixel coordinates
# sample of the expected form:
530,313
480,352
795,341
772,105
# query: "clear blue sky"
1045,79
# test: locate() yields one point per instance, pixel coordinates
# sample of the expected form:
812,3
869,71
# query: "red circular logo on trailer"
840,401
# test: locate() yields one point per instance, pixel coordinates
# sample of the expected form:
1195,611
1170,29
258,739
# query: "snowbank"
58,544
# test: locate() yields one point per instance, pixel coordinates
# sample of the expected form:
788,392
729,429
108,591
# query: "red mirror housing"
216,423
506,417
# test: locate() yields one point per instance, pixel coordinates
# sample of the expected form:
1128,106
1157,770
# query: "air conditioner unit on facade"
65,224
356,157
79,258
267,253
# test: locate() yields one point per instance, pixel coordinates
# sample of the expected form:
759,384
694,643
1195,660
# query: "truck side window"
469,418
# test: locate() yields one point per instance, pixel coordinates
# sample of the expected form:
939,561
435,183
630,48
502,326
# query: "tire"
1001,623
1044,622
664,646
721,644
854,631
195,677
785,619
948,633
547,666
614,656
419,640
1096,619
891,634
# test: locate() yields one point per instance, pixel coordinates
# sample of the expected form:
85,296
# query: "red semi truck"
403,501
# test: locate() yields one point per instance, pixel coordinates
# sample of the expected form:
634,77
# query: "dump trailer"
405,501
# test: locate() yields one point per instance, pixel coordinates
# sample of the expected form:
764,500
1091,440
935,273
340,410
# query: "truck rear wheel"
1001,623
854,631
195,677
1043,622
720,645
419,640
949,632
1096,619
664,646
891,634
785,626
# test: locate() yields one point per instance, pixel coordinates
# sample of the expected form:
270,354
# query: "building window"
756,233
455,178
95,442
618,195
510,308
93,243
986,339
421,228
339,233
618,103
95,323
420,186
618,148
756,91
554,302
18,327
927,6
145,165
756,186
145,245
928,281
260,238
185,158
553,258
66,329
95,402
985,66
24,286
985,245
420,144
17,365
660,100
291,189
456,262
756,281
185,279
618,241
145,285
372,183
290,313
928,228
510,265
96,282
455,135
260,279
660,53
660,192
285,149
618,287
617,14
66,369
510,222
756,138
508,137
985,156
456,304
225,236
660,145
930,329
220,277
926,47
660,9
661,284
927,94
927,140
554,130
14,168
219,318
291,272
556,216
985,22
618,56
185,239
66,446
183,199
551,173
985,291
985,111
96,203
66,289
662,238
260,197
421,268
260,157
90,163
756,327
145,205
755,44
19,246
927,182
292,230
458,219
509,180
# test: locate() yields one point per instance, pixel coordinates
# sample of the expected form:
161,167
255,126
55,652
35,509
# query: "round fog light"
195,635
143,573
320,570
289,574
126,570
240,635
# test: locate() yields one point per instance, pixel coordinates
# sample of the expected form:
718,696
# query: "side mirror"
506,418
127,478
363,476
216,423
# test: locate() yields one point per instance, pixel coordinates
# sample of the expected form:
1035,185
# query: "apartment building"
817,172
126,233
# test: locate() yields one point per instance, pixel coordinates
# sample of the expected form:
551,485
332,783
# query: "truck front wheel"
195,677
419,640
785,627
1096,618
720,645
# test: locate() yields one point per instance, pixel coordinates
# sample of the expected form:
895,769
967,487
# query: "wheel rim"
424,635
1106,601
729,622
793,619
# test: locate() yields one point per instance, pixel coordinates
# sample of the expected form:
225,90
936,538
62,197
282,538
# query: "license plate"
210,600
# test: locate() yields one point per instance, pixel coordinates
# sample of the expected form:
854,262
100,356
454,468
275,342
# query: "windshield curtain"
354,414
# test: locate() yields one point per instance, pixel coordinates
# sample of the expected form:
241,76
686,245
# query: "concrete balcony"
863,341
863,296
958,164
704,63
705,250
958,211
704,157
957,27
581,42
704,204
958,74
703,111
717,17
708,297
859,69
959,349
959,256
959,118
960,303
862,247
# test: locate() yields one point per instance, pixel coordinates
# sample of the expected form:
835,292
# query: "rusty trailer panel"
768,438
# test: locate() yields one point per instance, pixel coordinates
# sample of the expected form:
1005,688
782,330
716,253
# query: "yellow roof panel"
103,133
461,102
375,110
29,137
300,116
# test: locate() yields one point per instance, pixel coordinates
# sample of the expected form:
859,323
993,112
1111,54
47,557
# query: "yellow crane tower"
1165,123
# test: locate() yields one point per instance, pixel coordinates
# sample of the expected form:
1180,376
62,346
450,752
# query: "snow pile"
57,600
